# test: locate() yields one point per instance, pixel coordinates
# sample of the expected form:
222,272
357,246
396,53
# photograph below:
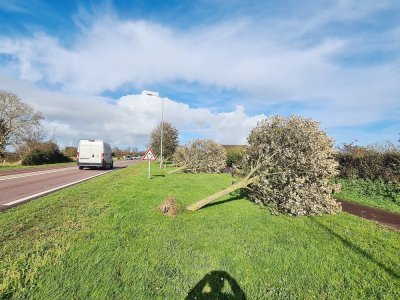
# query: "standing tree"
170,139
70,151
18,121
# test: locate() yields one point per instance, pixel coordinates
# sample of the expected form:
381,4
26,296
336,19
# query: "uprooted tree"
288,165
200,156
181,156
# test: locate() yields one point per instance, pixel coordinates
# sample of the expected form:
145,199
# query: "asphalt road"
20,186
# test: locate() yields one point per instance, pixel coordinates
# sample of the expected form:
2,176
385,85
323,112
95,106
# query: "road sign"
149,155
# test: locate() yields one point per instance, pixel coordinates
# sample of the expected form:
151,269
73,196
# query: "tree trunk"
177,170
241,184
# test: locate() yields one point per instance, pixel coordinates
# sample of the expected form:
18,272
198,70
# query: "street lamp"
162,129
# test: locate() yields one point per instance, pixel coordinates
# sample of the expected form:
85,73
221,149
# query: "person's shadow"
216,285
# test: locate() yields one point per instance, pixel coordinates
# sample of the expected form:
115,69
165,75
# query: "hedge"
370,164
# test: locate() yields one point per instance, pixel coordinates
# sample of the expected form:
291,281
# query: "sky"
102,69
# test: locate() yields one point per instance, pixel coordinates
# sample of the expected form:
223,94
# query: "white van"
94,153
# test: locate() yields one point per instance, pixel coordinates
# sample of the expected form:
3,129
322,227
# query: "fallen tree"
200,156
289,163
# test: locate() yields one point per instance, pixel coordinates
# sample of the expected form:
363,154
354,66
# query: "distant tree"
70,151
19,121
170,140
117,152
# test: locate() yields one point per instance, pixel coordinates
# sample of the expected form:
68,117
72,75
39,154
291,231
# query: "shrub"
369,162
45,153
297,162
235,155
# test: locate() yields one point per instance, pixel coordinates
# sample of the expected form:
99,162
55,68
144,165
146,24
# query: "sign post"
149,156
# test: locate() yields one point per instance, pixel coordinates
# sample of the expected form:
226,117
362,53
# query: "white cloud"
130,119
270,61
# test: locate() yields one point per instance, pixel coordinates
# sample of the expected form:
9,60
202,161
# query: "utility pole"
162,128
162,133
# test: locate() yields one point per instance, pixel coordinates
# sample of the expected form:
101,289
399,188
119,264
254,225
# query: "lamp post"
162,129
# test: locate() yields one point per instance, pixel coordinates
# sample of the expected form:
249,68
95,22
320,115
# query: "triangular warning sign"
149,155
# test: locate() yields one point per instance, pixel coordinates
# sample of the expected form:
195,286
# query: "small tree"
18,121
170,139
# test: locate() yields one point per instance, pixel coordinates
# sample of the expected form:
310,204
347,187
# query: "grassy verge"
106,239
18,167
375,194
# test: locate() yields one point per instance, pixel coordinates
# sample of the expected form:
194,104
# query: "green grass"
18,166
376,194
106,239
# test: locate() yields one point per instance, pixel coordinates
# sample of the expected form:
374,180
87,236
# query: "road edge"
14,203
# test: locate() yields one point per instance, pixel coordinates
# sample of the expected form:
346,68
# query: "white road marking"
9,177
53,190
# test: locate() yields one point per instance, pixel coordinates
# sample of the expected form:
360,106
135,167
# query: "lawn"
370,193
18,166
106,239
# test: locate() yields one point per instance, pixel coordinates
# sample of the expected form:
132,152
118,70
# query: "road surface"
20,186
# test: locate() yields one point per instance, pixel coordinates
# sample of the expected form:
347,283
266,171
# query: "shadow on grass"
237,195
216,285
352,246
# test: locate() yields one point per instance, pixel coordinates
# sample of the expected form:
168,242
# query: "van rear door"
84,152
96,150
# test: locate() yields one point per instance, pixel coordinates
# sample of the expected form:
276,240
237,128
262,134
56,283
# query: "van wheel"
80,168
112,166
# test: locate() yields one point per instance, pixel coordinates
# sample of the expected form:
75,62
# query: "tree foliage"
235,155
70,151
181,156
44,153
18,121
201,156
295,161
170,139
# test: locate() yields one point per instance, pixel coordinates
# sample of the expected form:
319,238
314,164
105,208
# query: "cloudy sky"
220,66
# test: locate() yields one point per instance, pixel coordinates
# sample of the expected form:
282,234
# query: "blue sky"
220,66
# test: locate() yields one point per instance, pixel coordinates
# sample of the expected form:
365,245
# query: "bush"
369,163
45,153
235,155
297,163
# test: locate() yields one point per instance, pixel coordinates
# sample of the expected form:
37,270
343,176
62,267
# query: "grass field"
106,239
375,194
18,166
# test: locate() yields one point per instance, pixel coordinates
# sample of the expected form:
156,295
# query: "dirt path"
384,217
